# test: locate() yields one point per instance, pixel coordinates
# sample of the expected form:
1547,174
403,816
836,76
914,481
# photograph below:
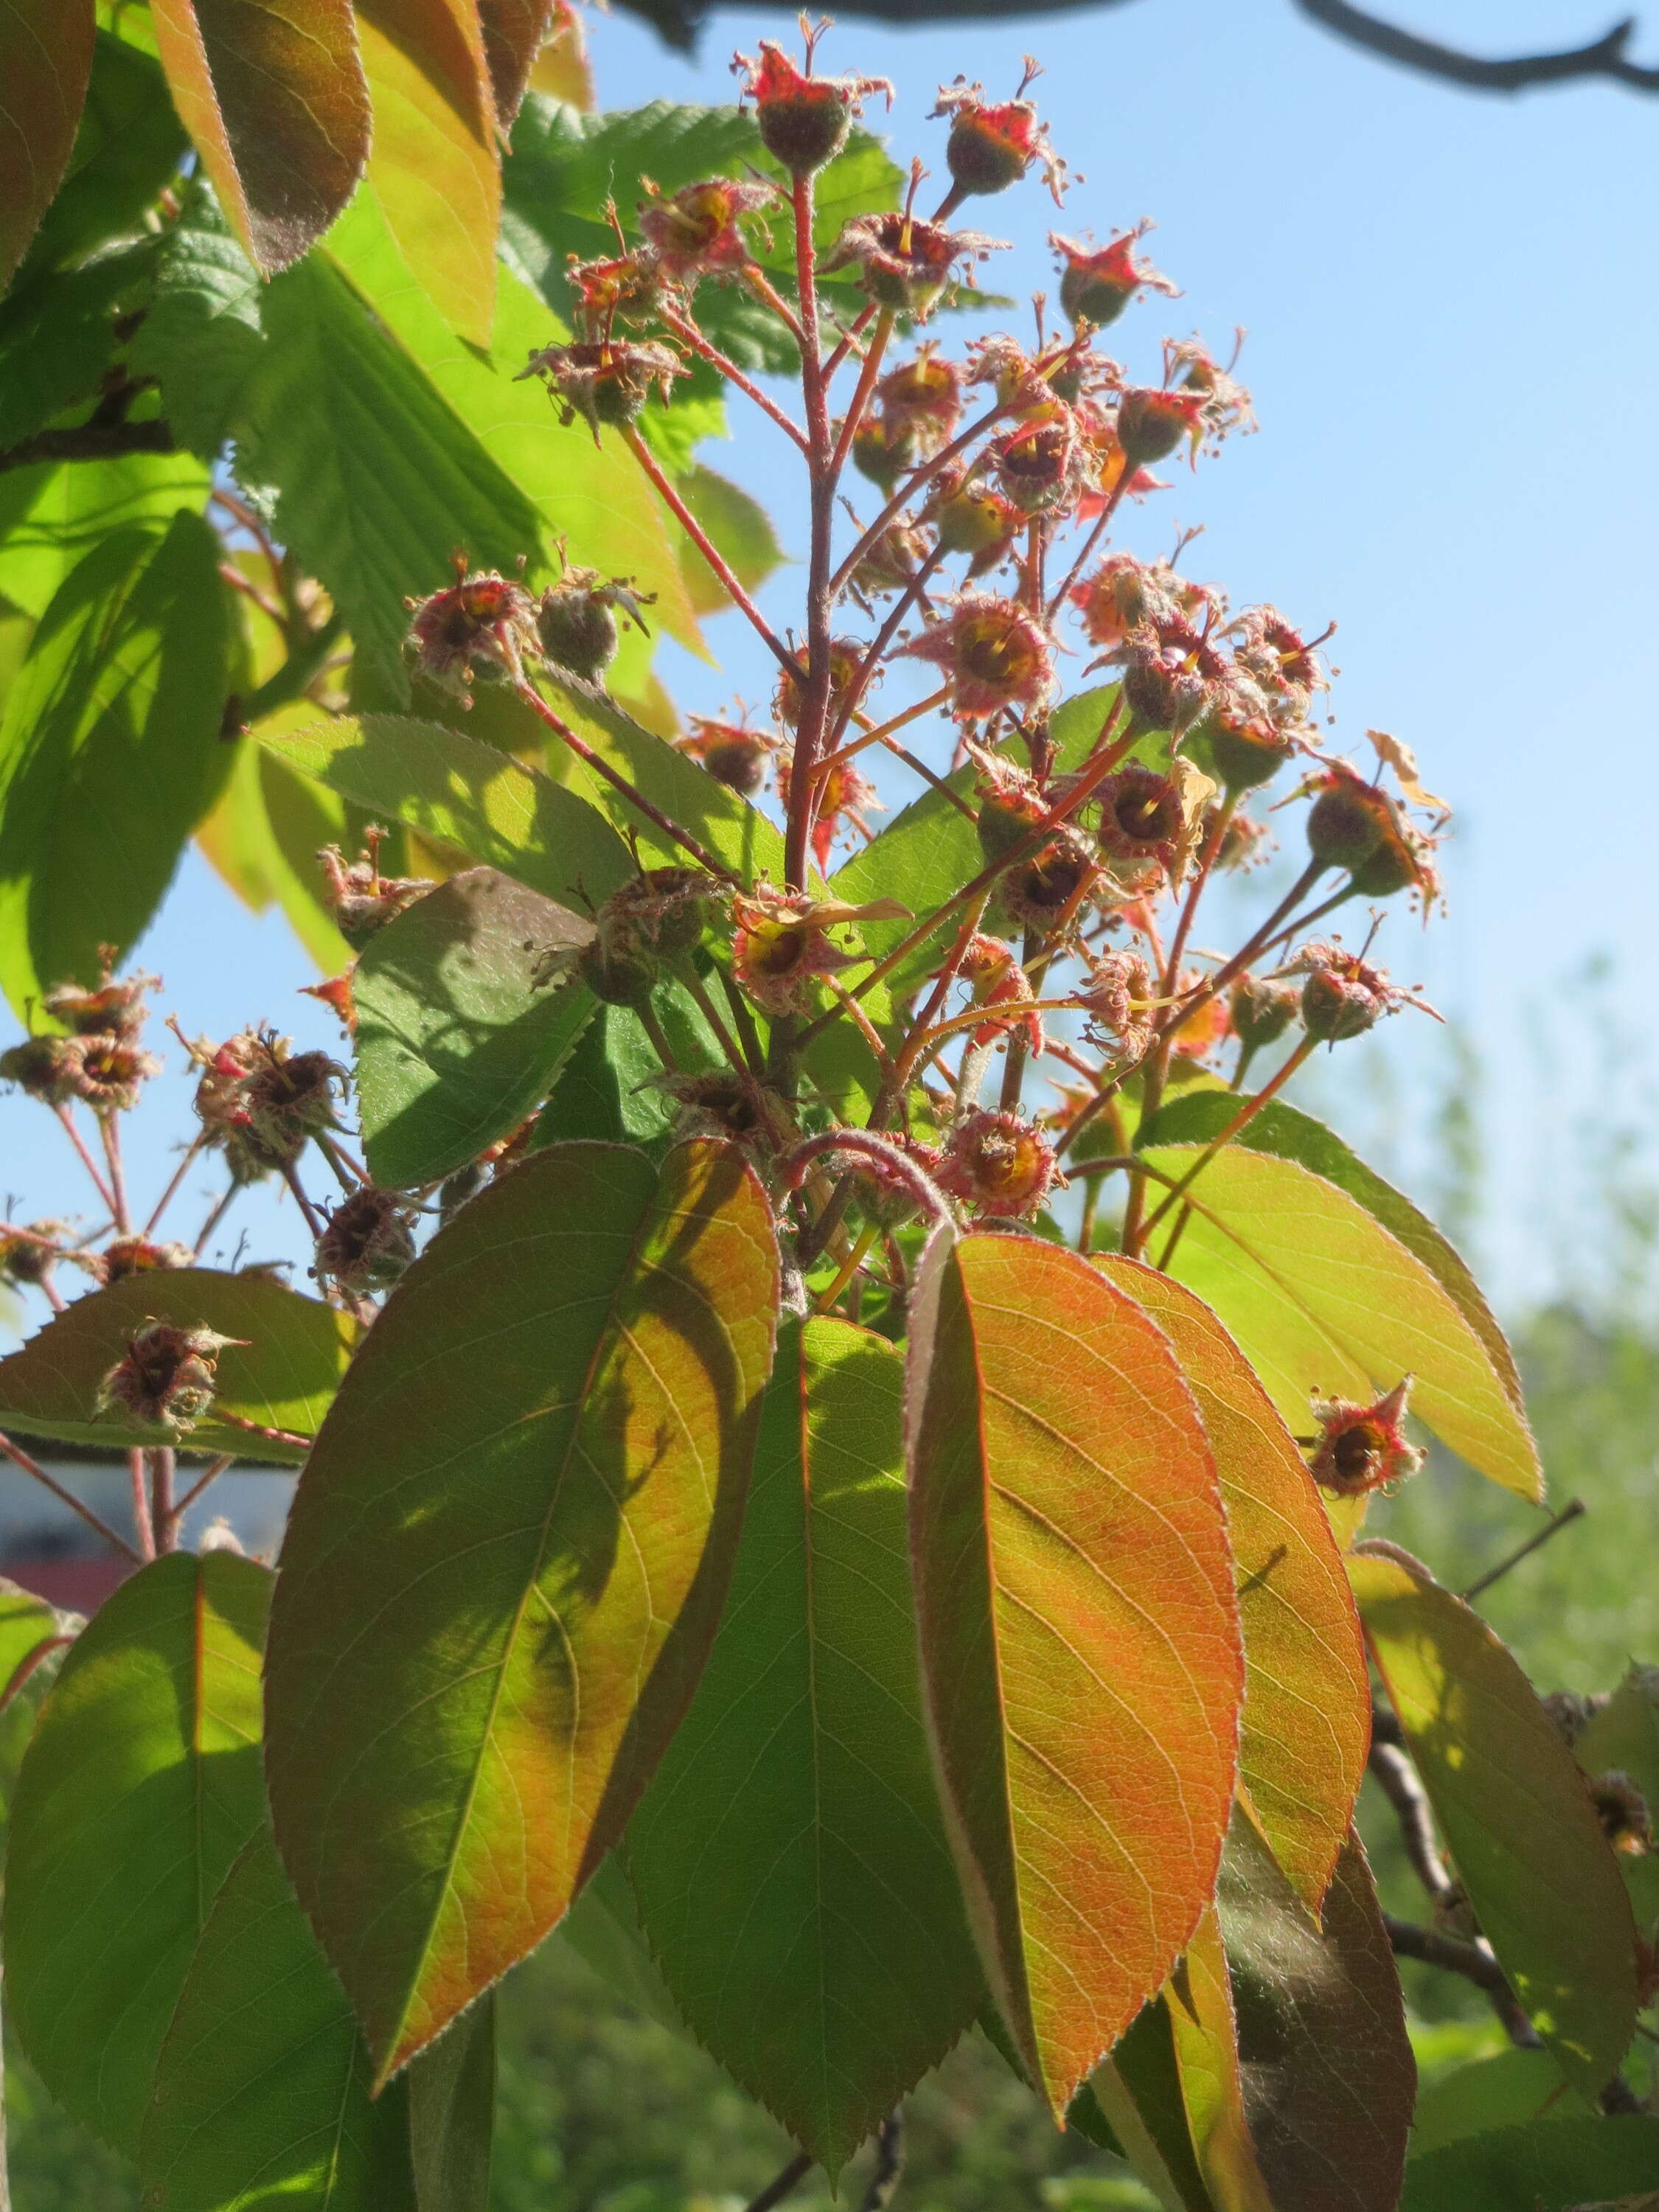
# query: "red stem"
19,1457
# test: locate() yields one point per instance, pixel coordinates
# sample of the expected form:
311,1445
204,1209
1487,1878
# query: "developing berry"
1363,1447
695,231
1344,996
483,625
1151,423
1098,282
576,622
607,384
996,652
884,451
905,263
846,659
137,1255
46,1067
732,753
993,143
361,899
1260,1010
1044,892
783,943
1623,1811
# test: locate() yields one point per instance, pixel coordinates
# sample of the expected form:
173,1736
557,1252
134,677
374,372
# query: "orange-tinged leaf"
1322,1296
1307,1722
1514,1811
562,67
272,93
434,167
513,31
505,1562
1327,2073
1078,1632
46,61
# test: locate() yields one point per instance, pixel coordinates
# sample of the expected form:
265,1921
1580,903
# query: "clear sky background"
1452,327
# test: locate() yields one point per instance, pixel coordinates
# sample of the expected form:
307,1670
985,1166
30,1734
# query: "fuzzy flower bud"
28,1255
846,659
1260,1010
137,1255
606,384
46,1067
576,621
1344,996
904,263
369,1241
804,119
884,450
695,231
999,1165
924,397
1363,1447
165,1381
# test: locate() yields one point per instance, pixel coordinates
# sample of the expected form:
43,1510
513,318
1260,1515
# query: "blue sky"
1452,321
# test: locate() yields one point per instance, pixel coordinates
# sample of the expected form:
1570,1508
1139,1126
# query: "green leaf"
1199,1116
464,1711
275,101
1307,1720
33,1638
605,1090
265,834
456,1041
461,792
127,147
1512,1806
1078,1634
722,821
1329,2076
1137,2088
1509,2089
592,496
603,1929
109,751
452,2114
1322,1298
53,514
45,60
282,1377
1549,2166
740,529
432,166
139,1790
262,2087
789,1856
204,334
58,335
1625,1734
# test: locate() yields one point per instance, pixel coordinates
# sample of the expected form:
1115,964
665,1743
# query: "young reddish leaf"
45,60
1321,1296
272,93
140,1788
789,1857
433,166
1329,2076
1512,1805
513,31
1078,1633
1307,1721
280,1377
505,1562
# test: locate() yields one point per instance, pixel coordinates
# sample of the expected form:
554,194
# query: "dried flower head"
804,119
846,659
1171,672
971,517
1147,816
732,753
996,654
1043,894
1622,1810
783,943
1123,593
45,1067
996,982
1260,1010
629,287
695,231
1097,284
260,1102
606,383
886,1194
1363,1447
109,1072
904,263
923,395
482,626
1277,657
994,142
369,1242
999,1165
361,899
28,1254
846,796
137,1255
1042,465
112,1009
726,1102
1120,997
165,1379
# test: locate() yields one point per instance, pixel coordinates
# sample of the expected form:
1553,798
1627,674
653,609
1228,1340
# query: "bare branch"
782,2183
1602,58
88,441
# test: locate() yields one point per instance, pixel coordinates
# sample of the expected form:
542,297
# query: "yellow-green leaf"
1321,1297
1514,1811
